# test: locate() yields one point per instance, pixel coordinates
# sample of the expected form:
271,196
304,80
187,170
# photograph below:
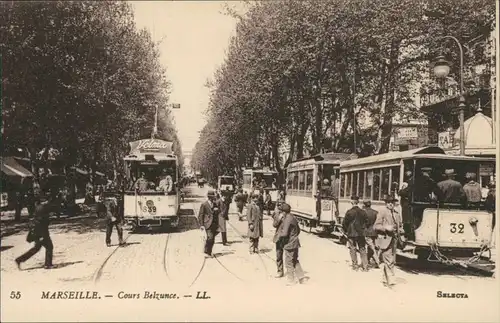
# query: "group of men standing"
375,235
213,215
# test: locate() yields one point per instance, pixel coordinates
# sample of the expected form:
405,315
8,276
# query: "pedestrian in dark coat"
39,232
289,237
114,218
223,217
254,217
278,216
260,201
354,225
370,233
208,217
452,191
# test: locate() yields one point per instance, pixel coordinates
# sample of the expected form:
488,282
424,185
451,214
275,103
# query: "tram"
225,183
431,227
312,189
261,178
152,197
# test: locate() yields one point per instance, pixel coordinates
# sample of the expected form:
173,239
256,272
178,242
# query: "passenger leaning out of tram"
166,183
472,189
451,189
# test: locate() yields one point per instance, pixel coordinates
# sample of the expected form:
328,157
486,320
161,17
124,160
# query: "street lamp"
441,70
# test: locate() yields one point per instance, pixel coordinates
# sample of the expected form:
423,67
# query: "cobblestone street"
173,263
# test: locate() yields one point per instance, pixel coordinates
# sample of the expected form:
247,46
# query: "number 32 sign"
457,227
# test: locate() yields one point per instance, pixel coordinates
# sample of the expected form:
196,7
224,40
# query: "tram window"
348,186
368,185
302,181
247,179
361,181
355,183
342,185
385,182
395,180
295,179
309,181
376,184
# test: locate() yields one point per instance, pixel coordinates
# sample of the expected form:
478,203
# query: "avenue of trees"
79,78
300,74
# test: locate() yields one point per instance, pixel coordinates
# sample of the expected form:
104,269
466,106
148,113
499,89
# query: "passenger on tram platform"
452,191
472,189
489,203
426,189
142,183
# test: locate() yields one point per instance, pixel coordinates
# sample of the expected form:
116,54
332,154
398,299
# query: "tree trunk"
386,130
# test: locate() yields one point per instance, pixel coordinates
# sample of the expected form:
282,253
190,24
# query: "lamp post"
441,69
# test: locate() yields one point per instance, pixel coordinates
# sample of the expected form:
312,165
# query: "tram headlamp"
473,220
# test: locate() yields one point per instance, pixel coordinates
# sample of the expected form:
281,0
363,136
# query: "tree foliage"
79,77
300,74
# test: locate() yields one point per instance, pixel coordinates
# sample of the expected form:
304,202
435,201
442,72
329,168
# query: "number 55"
15,295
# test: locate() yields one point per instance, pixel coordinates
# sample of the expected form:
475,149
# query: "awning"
99,174
11,167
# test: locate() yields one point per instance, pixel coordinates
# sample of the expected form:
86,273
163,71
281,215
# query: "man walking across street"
114,218
208,217
254,217
370,233
39,232
278,224
289,237
388,225
240,203
354,225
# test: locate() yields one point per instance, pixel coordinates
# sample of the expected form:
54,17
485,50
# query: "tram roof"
325,158
157,157
424,152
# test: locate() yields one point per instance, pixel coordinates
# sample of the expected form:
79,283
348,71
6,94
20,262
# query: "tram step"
406,254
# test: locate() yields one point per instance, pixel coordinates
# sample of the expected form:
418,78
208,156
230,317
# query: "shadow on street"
56,266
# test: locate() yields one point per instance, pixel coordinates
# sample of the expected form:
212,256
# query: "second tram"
312,189
431,226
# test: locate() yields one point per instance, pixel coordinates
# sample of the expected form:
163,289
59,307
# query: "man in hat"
451,190
239,198
370,233
289,237
472,189
114,218
222,202
354,225
254,217
208,217
388,225
39,231
278,216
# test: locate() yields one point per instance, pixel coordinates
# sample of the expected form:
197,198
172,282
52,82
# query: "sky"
195,37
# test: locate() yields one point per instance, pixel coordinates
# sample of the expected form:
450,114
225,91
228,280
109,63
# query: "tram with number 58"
433,228
152,196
